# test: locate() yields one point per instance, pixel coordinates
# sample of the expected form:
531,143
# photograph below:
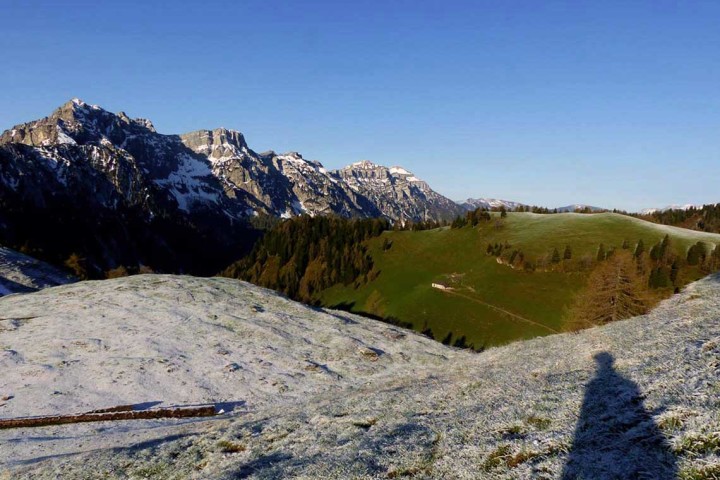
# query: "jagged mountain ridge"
494,203
201,170
115,191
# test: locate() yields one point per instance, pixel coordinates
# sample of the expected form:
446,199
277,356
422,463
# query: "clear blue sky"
614,104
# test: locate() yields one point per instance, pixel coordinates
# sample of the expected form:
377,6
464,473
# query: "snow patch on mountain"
488,203
400,170
650,211
187,183
578,206
64,138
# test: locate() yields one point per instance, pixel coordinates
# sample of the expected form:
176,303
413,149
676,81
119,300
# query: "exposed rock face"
397,193
317,191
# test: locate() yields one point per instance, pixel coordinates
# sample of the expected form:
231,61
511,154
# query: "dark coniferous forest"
305,255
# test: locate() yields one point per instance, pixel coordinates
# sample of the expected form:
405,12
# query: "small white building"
440,286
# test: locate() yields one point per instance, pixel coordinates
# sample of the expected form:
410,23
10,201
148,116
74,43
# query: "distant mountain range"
77,144
650,211
488,203
494,203
118,191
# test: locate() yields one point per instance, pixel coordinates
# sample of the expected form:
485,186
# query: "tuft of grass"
671,423
512,431
152,471
707,472
405,472
365,424
521,457
496,458
227,446
699,444
502,456
539,423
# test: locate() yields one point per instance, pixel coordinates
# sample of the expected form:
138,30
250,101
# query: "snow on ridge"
364,164
687,206
399,170
186,185
63,138
79,103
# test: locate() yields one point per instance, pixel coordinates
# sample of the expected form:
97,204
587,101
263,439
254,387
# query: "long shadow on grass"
616,436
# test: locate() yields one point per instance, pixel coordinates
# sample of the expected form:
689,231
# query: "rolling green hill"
492,303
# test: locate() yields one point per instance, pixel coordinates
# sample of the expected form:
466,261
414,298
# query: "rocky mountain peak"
398,193
219,143
77,122
363,165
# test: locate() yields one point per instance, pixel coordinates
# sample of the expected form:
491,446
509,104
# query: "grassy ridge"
416,259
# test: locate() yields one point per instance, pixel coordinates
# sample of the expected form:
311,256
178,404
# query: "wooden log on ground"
119,408
122,414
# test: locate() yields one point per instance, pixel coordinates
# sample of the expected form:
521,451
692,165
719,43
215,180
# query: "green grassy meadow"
491,303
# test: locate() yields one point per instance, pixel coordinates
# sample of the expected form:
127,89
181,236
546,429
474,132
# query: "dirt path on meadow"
501,310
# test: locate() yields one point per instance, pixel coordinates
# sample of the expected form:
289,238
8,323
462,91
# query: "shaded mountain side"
92,220
20,273
320,394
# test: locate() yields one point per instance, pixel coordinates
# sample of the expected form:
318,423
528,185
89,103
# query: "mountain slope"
116,192
397,193
492,302
205,170
20,273
644,390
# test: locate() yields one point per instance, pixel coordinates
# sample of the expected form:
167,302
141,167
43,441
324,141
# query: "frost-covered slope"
635,399
20,273
186,340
